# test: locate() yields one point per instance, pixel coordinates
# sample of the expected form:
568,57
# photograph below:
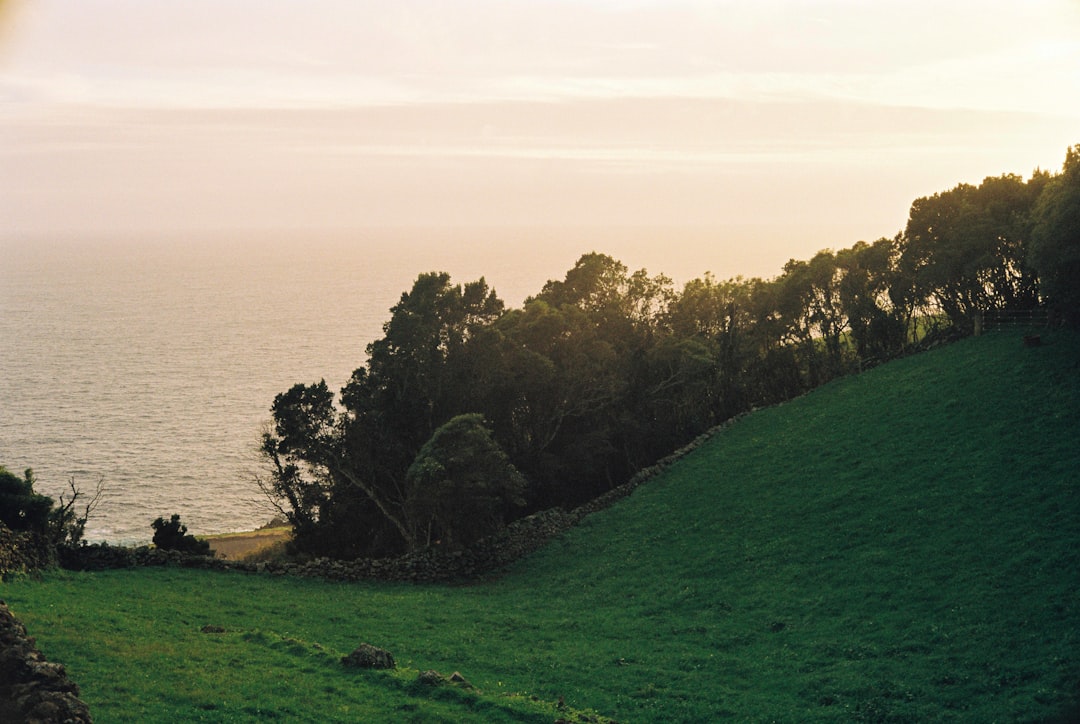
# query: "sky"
766,129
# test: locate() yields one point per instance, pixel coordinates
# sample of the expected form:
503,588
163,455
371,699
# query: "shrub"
20,507
173,536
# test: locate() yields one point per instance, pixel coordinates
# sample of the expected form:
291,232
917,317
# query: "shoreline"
234,546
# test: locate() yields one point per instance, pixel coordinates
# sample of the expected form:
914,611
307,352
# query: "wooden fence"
1015,318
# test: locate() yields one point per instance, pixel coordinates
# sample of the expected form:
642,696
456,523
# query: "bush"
21,509
173,536
33,526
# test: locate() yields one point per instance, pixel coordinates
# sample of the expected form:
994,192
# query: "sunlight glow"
164,116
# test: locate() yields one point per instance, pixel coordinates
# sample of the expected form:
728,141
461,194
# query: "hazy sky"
773,128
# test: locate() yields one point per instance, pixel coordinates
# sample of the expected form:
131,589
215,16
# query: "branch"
379,503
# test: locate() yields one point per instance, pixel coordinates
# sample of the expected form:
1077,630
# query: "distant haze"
742,134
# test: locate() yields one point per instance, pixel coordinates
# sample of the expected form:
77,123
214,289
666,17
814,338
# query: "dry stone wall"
22,552
33,690
491,554
430,565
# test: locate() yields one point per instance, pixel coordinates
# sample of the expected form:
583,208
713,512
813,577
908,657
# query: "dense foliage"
53,522
21,508
1055,244
172,535
607,370
461,486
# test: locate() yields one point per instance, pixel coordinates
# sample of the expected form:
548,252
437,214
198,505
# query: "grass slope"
899,546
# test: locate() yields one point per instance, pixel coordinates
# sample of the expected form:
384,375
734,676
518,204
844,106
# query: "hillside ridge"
919,513
900,545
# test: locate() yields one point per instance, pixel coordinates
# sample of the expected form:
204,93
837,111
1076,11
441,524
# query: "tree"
623,305
1055,243
564,382
595,329
300,445
22,509
462,486
877,325
772,369
596,283
701,366
339,473
408,371
1007,221
809,302
684,396
52,524
173,536
66,525
326,488
965,250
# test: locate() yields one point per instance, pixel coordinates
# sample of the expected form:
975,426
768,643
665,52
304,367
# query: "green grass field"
903,545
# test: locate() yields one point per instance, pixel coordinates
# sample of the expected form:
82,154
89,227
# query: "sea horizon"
151,361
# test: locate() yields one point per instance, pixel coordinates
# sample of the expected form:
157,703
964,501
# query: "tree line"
468,414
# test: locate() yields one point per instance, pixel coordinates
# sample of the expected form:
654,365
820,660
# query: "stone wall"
491,554
22,552
32,689
430,565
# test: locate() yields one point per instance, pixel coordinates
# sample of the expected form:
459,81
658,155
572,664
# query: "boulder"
430,678
366,656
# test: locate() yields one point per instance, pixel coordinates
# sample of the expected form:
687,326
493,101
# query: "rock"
366,656
457,678
430,678
31,688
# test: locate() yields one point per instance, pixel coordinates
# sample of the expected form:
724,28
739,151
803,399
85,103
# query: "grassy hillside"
899,546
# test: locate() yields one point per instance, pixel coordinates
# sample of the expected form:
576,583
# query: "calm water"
153,364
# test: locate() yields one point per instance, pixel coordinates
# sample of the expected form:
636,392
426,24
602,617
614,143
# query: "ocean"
152,363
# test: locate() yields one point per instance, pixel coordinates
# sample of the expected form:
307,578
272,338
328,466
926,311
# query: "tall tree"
595,328
773,372
1056,238
567,375
810,304
332,500
713,318
340,473
604,371
462,486
965,250
407,369
867,275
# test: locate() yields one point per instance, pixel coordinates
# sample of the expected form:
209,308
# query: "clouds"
241,53
149,114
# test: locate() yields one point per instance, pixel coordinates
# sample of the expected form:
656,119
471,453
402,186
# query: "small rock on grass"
430,678
366,656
